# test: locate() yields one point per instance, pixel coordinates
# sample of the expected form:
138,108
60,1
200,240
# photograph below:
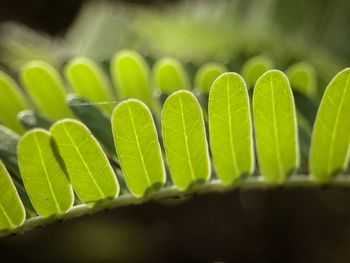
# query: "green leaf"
170,75
131,76
31,119
302,77
138,148
206,75
44,178
89,170
185,140
254,68
95,119
230,128
12,213
11,103
88,80
275,126
329,153
44,86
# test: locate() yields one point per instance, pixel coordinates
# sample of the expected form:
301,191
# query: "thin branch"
171,192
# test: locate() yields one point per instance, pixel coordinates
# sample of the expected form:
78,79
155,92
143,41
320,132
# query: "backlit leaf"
254,68
131,76
138,148
44,178
185,140
329,153
44,86
170,76
230,128
12,213
302,77
87,80
11,103
206,76
89,170
275,126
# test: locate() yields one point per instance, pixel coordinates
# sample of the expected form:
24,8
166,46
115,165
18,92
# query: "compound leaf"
230,128
12,213
44,86
11,103
329,152
275,126
138,148
45,181
170,76
87,80
31,119
89,170
185,140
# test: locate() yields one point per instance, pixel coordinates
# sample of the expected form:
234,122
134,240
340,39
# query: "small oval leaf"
45,87
11,103
131,76
45,181
206,75
254,68
185,140
329,152
275,126
302,77
170,75
88,80
89,170
138,148
230,128
12,213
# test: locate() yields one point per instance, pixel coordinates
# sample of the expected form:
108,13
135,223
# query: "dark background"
280,225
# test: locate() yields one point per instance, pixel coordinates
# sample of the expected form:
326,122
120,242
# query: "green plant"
52,162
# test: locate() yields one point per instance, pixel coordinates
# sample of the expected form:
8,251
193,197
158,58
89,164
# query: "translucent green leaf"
12,213
89,170
302,77
138,148
254,68
95,119
231,137
44,86
31,119
275,126
206,75
11,103
131,76
169,76
329,153
88,80
44,178
185,140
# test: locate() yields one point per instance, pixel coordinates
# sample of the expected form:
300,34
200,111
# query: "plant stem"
171,192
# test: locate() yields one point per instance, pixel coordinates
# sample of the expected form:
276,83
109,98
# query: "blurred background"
280,225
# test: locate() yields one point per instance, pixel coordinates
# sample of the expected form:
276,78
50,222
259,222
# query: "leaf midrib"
329,159
186,141
138,147
83,161
46,173
277,146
